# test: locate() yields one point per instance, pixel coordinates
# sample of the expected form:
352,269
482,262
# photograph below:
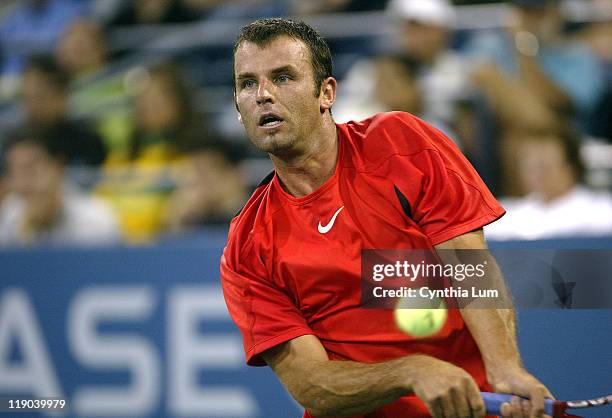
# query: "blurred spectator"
40,207
138,178
395,85
83,53
534,78
423,27
44,98
33,27
144,12
210,189
395,88
82,50
531,73
555,204
598,35
166,118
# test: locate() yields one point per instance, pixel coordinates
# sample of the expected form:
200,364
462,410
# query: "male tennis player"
291,268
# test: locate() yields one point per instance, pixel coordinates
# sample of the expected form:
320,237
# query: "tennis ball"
421,322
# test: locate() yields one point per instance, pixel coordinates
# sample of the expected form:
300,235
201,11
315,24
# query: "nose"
264,93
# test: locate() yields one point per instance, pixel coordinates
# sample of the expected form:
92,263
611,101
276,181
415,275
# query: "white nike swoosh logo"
325,229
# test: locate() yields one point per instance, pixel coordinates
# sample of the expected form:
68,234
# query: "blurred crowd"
117,124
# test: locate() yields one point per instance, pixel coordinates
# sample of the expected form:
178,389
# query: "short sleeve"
264,313
447,196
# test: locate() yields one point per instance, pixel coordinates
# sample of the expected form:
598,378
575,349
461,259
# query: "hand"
447,390
518,381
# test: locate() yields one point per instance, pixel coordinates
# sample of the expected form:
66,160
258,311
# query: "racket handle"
493,403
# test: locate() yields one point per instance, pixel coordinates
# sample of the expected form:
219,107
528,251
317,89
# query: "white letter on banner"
35,374
191,351
107,352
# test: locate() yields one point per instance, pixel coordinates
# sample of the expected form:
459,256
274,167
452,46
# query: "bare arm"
494,331
475,240
346,388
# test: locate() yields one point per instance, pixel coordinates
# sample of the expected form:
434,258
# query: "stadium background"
134,324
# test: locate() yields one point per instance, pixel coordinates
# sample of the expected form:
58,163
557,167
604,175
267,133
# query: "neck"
305,171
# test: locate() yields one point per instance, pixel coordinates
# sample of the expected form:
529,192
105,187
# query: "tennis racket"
554,408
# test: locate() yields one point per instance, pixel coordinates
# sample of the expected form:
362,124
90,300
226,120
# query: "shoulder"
397,126
251,219
385,135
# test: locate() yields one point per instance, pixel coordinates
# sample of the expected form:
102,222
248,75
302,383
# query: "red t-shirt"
283,278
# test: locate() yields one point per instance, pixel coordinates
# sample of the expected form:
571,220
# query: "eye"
282,78
248,83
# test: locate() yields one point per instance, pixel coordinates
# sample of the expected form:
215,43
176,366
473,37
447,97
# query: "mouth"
270,121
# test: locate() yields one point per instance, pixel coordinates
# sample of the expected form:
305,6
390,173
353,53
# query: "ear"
238,115
327,95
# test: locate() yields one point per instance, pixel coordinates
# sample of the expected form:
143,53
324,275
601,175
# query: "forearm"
347,388
493,327
497,343
506,305
494,330
491,322
509,317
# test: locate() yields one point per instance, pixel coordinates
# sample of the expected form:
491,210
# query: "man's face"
275,94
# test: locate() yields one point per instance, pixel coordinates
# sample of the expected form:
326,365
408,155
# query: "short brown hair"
263,31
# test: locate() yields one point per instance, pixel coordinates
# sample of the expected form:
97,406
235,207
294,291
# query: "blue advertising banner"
128,332
124,332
